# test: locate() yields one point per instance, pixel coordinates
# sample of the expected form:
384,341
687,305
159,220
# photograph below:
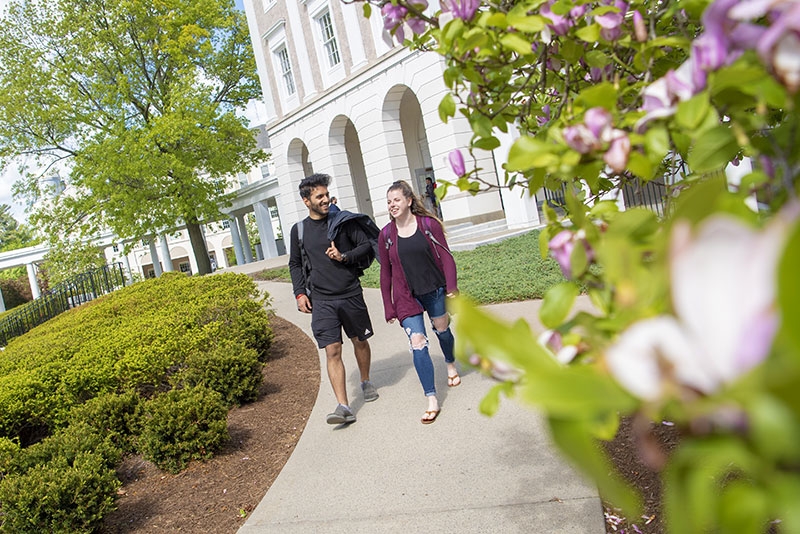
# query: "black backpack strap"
304,258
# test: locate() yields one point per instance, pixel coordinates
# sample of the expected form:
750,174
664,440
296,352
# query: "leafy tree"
137,100
12,234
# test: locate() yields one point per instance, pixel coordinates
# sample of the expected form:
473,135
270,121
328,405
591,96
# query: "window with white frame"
268,4
329,43
285,66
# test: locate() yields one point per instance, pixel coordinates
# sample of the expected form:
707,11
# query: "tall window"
329,39
286,70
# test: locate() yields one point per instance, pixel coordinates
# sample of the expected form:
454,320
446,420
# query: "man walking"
323,271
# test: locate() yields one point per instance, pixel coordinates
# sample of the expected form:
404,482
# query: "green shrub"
229,368
8,451
183,425
118,417
59,496
136,339
67,444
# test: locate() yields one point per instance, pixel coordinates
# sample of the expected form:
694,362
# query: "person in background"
324,271
418,272
430,196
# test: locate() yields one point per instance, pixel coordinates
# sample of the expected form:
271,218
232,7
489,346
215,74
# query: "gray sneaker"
370,393
341,415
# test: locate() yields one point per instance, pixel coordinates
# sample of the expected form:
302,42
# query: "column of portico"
127,264
165,252
248,252
237,242
154,256
264,223
32,280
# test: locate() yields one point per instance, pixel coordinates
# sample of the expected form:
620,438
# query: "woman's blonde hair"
417,207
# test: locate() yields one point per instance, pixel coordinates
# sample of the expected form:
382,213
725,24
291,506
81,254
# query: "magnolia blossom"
553,340
779,44
610,23
457,162
660,99
462,9
561,246
723,295
639,28
596,133
395,19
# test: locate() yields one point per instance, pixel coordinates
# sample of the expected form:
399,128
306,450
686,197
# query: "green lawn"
502,272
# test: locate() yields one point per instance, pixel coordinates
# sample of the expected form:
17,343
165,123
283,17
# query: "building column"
127,264
165,252
248,252
32,280
237,242
154,256
265,232
2,302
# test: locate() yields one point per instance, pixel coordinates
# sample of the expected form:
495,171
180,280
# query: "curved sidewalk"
389,473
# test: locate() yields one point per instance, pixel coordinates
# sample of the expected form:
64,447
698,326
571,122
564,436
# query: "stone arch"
348,161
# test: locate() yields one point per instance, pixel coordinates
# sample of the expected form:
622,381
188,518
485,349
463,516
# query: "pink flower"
616,157
561,246
457,162
610,22
597,120
639,28
580,138
723,294
462,9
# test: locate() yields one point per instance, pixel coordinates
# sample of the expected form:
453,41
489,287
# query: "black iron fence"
60,298
651,195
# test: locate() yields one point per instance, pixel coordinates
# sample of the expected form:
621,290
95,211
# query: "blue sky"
239,4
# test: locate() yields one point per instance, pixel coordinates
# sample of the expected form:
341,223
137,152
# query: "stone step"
469,236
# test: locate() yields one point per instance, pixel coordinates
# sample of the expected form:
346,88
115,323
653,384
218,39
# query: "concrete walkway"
389,473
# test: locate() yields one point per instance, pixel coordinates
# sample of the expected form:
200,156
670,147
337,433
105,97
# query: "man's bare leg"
363,356
336,372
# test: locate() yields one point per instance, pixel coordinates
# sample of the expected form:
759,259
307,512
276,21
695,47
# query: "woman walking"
417,273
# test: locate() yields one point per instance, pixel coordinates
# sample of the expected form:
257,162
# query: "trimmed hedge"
183,425
151,368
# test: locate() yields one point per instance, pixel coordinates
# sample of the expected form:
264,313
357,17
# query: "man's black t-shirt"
330,279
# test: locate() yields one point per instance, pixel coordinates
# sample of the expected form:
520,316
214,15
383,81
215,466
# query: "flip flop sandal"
453,381
428,413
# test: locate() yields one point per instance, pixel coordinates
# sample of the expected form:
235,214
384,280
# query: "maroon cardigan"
398,302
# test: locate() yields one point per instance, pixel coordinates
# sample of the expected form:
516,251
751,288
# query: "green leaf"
713,150
641,165
528,152
599,95
691,113
515,42
596,58
789,289
521,21
574,439
491,402
486,143
367,9
590,33
557,304
656,141
447,107
481,124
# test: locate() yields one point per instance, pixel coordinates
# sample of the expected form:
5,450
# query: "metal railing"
651,195
72,292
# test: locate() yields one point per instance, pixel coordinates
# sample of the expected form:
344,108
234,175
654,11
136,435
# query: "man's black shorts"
328,317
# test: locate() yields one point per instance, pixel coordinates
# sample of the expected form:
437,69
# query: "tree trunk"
199,247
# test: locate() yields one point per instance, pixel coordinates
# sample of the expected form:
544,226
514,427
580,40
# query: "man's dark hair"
310,182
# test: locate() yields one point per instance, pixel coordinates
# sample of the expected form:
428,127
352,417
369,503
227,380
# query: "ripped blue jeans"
434,304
